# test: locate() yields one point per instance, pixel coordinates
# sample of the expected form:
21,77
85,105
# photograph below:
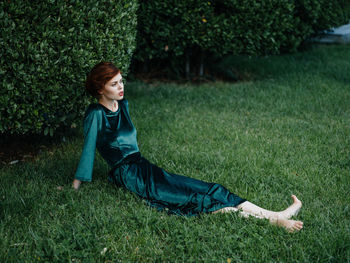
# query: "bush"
176,30
47,48
322,14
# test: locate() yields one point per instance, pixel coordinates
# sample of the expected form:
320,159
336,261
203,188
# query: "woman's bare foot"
289,225
293,210
281,218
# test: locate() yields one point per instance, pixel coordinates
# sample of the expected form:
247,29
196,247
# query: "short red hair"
99,75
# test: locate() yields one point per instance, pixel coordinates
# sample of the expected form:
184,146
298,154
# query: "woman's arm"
85,167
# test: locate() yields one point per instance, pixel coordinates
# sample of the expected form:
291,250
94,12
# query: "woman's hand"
76,184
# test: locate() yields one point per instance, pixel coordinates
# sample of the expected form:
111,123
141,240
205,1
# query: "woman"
107,126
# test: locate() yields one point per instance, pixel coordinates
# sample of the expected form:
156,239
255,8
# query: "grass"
286,131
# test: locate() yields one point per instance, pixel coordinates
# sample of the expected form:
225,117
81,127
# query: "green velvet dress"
114,135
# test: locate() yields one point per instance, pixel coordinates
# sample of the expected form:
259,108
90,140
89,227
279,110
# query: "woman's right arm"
85,167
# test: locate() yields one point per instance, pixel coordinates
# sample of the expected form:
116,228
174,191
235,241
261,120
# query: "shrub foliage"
170,29
47,48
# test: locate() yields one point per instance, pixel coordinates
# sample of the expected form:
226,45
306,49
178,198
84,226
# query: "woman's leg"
251,209
281,218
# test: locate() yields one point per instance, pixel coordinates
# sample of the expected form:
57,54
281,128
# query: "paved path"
339,35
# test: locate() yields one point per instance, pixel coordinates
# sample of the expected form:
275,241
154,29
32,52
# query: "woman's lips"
121,94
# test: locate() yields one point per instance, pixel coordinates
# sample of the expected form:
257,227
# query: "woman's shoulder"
123,102
92,118
94,109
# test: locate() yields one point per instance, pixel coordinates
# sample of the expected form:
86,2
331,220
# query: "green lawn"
286,131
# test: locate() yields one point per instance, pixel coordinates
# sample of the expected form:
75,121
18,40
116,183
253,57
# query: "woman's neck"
110,104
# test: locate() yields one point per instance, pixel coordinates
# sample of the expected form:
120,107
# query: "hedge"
47,48
169,30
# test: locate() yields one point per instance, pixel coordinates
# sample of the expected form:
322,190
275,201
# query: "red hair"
99,75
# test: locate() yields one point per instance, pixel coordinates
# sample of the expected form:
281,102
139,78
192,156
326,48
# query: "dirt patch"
15,149
13,152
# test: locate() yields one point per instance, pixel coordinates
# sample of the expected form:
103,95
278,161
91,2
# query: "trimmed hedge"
47,48
168,30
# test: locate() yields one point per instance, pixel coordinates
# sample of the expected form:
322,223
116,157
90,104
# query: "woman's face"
113,89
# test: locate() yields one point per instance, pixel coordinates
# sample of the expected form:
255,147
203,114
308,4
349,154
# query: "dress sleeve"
86,164
124,103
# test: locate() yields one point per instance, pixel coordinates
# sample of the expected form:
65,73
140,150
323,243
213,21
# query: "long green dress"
114,135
